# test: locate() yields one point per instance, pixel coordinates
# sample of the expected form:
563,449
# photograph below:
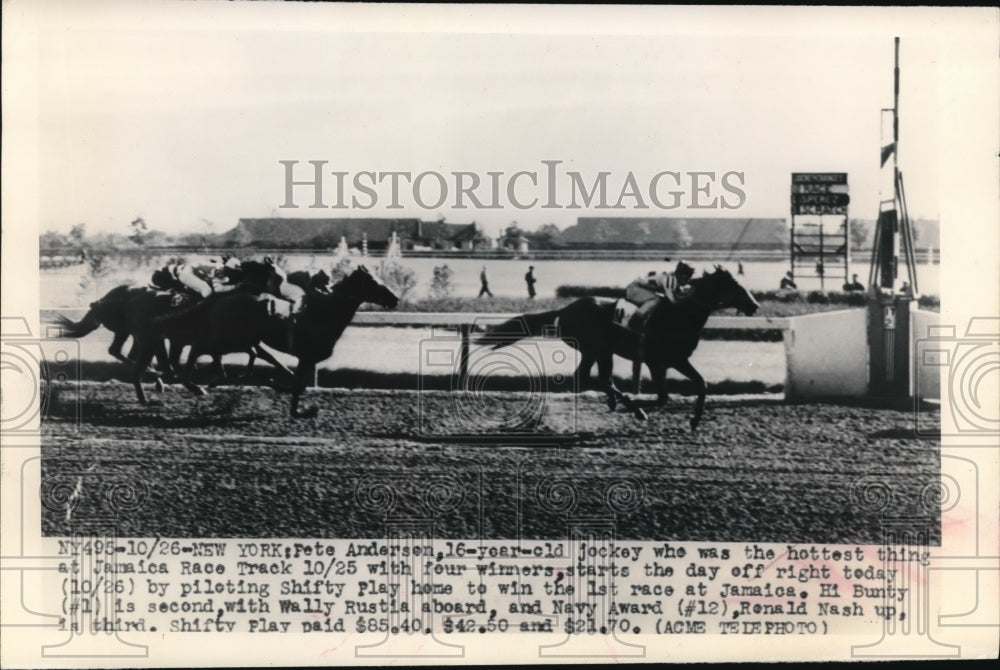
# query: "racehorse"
109,312
667,339
228,323
250,276
318,282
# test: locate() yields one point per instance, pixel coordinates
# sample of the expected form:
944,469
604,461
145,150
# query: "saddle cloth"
176,298
623,315
277,306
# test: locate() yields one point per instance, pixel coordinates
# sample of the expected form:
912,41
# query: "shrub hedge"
852,298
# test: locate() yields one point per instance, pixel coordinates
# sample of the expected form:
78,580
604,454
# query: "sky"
181,114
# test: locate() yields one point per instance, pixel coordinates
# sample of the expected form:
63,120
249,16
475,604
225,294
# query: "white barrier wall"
827,354
927,360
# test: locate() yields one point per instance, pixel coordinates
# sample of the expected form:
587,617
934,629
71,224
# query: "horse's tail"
518,328
88,324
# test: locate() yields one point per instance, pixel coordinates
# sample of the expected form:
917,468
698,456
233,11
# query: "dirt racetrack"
234,464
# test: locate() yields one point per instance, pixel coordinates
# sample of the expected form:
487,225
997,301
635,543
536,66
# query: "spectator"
529,279
854,284
484,280
787,281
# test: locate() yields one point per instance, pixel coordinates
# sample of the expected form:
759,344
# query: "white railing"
458,319
464,322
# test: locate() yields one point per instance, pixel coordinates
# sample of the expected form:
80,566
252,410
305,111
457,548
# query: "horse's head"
364,286
728,292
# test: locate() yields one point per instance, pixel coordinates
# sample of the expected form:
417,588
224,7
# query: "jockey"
643,291
184,277
287,291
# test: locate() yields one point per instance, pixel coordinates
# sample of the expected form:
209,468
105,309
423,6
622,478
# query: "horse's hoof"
158,385
694,424
640,414
307,413
612,404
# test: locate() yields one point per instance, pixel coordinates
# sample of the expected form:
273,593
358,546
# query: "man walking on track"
529,279
485,281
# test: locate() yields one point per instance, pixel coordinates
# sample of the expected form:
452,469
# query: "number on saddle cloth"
277,306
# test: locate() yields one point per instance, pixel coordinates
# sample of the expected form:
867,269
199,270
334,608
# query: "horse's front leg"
688,371
304,373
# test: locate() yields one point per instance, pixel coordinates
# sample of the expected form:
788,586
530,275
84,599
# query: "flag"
887,152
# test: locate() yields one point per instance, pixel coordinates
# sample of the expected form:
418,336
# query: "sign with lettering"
819,210
819,193
819,188
828,199
819,178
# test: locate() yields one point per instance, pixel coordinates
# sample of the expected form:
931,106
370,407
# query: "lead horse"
667,339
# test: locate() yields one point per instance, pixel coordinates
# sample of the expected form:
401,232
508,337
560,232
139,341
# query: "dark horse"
125,308
110,312
669,336
239,322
